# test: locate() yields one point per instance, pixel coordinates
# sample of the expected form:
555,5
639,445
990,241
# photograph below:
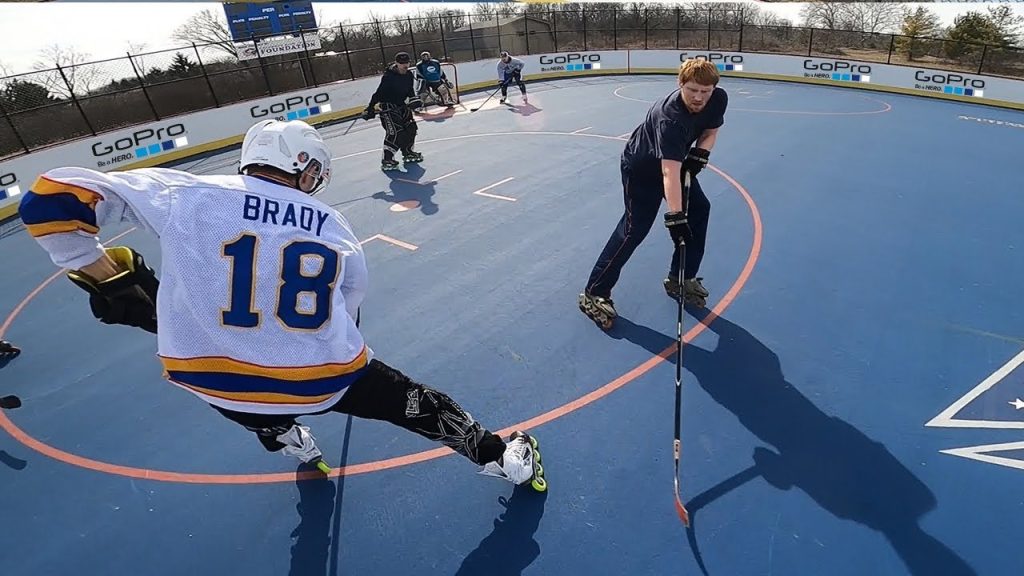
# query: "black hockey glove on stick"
127,298
678,228
696,159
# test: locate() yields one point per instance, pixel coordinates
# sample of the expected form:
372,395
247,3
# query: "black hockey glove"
678,227
368,114
8,350
129,297
695,160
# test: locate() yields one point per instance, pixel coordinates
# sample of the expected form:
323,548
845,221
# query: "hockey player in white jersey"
256,305
511,70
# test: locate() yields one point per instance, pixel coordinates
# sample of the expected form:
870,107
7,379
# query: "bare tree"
873,17
1007,21
79,75
207,28
753,15
483,11
823,15
135,49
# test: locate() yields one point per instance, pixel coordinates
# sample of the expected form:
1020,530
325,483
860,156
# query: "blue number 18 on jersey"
293,283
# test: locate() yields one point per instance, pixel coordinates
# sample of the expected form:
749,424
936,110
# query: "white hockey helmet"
291,147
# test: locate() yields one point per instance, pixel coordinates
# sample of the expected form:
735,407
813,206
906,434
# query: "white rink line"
390,240
581,130
482,191
433,181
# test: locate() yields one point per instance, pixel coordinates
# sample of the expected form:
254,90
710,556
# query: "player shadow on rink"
406,186
510,548
315,552
847,473
437,113
523,109
12,462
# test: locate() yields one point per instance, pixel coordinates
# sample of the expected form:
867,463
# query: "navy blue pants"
642,196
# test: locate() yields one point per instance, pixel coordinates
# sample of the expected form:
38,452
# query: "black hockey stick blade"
10,402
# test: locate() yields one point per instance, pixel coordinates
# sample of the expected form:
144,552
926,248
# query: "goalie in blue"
434,85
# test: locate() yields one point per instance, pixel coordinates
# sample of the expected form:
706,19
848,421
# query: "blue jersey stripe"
249,384
63,207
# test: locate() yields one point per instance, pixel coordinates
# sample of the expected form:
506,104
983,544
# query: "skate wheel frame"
603,321
538,482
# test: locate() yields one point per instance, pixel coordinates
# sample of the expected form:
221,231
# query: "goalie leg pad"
127,298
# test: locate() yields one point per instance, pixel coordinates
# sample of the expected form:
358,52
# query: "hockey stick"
10,402
486,101
352,123
677,445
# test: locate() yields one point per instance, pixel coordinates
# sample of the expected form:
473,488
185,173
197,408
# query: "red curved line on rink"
379,465
24,302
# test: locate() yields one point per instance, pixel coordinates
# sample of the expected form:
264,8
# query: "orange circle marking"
405,205
378,465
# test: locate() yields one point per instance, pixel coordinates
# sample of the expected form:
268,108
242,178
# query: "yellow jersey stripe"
290,373
47,228
44,186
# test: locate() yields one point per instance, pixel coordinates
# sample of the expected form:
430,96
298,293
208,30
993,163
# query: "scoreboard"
261,19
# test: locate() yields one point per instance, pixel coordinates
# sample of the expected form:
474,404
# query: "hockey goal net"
452,75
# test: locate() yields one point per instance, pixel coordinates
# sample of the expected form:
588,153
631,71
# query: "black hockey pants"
399,129
642,195
514,78
383,393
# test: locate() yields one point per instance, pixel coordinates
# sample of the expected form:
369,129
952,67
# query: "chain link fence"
47,107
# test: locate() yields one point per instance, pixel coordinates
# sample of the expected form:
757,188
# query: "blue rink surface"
863,263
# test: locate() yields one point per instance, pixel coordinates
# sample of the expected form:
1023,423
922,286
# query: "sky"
105,30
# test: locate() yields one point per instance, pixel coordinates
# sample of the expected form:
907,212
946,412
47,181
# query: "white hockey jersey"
505,69
259,283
